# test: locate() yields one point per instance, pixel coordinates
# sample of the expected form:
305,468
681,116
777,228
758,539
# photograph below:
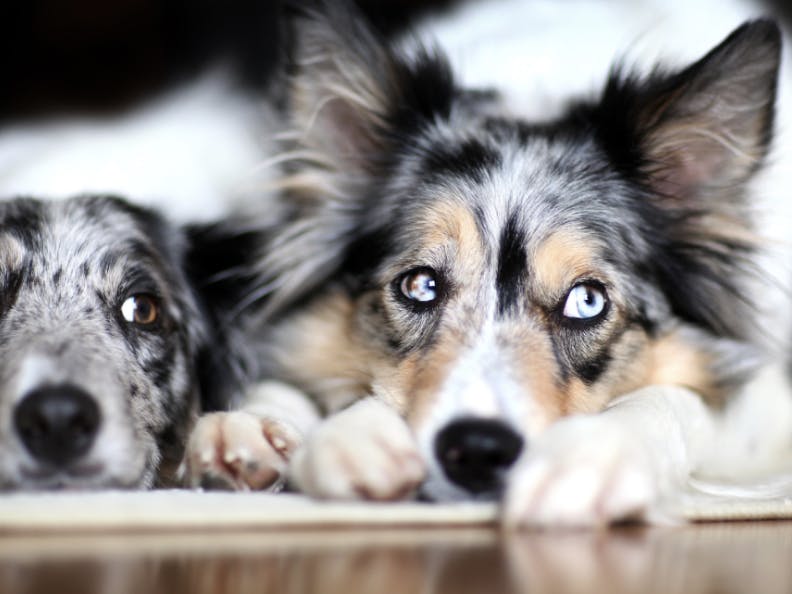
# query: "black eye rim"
584,323
419,306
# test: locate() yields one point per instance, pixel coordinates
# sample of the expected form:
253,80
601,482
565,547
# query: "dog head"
486,275
99,336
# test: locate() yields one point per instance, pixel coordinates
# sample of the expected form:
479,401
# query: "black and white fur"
662,167
104,345
652,182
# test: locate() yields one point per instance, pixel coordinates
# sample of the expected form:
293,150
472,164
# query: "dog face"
98,335
495,274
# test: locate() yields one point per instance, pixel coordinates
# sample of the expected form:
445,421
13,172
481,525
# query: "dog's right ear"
355,103
354,97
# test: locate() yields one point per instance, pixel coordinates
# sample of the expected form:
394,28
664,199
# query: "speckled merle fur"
682,243
639,194
66,269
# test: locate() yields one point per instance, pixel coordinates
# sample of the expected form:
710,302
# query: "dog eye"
585,301
420,285
140,309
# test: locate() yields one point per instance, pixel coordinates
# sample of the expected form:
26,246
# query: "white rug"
181,509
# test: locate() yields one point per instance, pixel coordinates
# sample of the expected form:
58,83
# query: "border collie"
104,344
553,309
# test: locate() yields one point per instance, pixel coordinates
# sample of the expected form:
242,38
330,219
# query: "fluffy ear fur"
694,139
354,101
351,90
706,130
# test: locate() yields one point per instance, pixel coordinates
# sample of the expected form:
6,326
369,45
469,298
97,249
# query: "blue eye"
585,301
420,285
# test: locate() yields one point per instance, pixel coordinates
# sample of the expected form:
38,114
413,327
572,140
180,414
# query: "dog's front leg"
249,448
616,465
366,451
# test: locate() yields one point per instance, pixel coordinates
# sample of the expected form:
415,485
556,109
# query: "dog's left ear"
692,140
705,130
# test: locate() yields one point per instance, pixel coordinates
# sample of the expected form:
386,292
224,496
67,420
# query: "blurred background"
95,95
71,56
93,56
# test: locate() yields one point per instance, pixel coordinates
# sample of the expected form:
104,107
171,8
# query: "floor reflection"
721,558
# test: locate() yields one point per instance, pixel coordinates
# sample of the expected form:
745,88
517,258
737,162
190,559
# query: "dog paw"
364,452
582,472
238,451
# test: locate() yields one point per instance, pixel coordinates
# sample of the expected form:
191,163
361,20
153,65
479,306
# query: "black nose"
57,424
474,453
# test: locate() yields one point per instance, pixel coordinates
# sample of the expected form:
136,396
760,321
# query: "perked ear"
355,100
706,129
692,140
353,93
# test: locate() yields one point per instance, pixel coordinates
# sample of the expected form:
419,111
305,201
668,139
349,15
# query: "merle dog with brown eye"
85,402
141,309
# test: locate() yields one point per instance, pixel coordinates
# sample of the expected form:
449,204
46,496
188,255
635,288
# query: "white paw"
583,472
364,452
238,450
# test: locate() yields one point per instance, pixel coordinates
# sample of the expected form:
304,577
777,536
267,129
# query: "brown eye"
140,309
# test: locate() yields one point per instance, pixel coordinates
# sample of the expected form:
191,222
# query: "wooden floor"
712,558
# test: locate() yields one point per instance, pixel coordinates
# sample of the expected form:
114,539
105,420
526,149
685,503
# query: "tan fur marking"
448,220
560,259
675,362
420,378
537,371
426,379
320,352
580,398
637,363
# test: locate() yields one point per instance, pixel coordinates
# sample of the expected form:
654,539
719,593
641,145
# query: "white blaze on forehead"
480,384
477,379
